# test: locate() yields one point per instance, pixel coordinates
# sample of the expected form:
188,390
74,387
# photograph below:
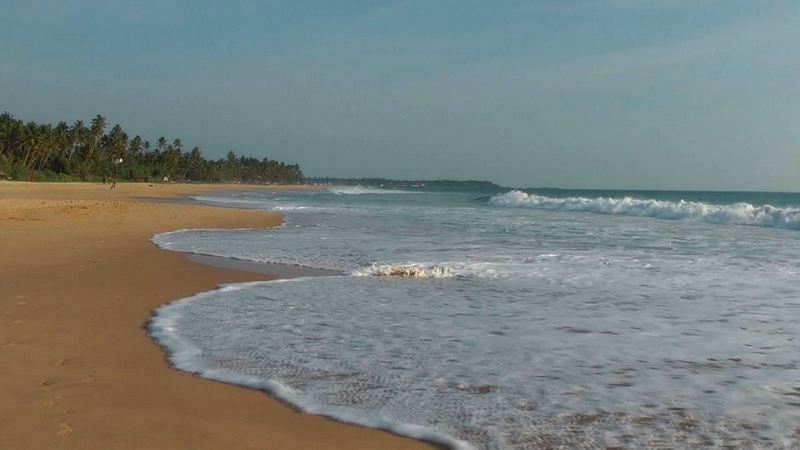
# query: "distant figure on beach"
166,179
113,183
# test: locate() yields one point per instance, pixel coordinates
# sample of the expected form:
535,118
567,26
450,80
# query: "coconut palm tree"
97,128
12,133
95,133
171,160
61,138
49,143
7,125
190,161
162,143
135,146
77,137
117,143
30,143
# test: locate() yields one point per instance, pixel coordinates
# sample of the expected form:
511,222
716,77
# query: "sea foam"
361,190
502,365
736,213
165,328
405,271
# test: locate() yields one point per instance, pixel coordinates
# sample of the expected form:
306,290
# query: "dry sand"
78,281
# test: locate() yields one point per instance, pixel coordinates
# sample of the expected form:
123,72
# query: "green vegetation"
81,152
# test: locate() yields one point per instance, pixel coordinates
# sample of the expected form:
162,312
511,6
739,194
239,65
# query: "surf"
734,214
406,271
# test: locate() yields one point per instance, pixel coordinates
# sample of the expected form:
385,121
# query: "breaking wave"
405,271
736,213
360,190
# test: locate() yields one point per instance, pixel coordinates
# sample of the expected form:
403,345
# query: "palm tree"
95,132
162,143
171,160
77,136
231,165
98,125
191,160
49,144
30,142
12,133
61,138
135,146
117,143
7,125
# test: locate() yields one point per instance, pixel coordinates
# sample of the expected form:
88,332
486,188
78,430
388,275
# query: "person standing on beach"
113,183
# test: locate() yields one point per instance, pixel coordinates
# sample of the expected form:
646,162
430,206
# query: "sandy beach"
79,279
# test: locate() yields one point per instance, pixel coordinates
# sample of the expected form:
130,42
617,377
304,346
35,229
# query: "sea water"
514,319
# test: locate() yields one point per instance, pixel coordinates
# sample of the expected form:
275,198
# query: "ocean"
513,319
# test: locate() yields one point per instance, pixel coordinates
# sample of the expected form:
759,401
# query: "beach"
79,279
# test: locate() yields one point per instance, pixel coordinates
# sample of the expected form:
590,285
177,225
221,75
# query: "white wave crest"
736,213
361,190
405,271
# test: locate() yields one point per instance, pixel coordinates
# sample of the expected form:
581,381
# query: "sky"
628,94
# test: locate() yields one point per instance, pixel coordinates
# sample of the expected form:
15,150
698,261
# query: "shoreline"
81,280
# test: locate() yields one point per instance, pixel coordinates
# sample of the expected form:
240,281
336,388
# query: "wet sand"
79,279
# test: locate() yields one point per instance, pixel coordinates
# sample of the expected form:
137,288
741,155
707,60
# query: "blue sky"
663,94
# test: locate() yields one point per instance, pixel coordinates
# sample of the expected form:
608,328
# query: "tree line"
87,152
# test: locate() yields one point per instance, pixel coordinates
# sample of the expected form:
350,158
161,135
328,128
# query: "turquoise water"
568,319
